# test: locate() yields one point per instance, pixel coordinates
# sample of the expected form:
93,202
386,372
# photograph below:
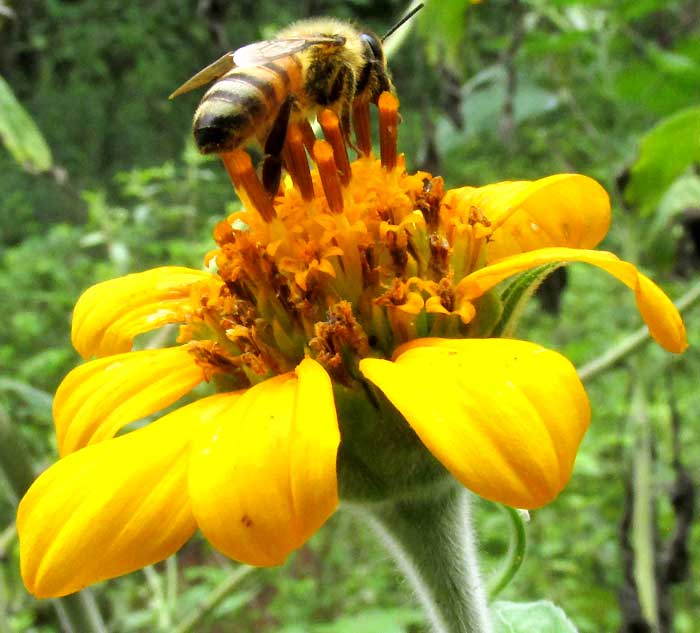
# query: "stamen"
360,123
331,130
325,160
388,129
308,135
247,184
296,162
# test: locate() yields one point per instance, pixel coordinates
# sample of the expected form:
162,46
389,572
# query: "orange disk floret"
307,134
331,130
328,171
246,182
388,129
296,162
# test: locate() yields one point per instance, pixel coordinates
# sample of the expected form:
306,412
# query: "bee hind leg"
346,127
272,164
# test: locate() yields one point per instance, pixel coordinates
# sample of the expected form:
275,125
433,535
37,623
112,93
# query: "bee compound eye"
374,46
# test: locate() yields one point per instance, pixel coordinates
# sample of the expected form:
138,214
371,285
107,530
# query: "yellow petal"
110,314
98,398
110,508
263,473
663,320
562,210
504,417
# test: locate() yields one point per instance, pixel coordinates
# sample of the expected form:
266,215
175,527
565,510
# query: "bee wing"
253,55
267,50
204,76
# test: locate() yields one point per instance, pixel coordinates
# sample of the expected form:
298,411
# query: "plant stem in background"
79,613
632,342
643,519
222,591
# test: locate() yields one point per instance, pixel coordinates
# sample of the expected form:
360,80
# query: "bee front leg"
272,164
347,82
346,126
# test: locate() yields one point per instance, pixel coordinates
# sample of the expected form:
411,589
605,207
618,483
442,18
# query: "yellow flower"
347,308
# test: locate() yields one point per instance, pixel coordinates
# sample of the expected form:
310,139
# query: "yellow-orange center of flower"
347,260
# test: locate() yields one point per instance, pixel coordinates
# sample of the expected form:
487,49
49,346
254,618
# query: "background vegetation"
109,182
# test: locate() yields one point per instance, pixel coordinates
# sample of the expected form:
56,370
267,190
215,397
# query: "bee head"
373,48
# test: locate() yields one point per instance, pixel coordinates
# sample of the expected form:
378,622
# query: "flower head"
345,326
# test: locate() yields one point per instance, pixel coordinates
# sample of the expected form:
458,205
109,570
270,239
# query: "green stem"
516,553
643,520
632,342
433,544
79,613
222,591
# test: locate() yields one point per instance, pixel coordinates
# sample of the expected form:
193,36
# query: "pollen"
347,260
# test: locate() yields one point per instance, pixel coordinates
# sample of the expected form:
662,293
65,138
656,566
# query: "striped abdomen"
244,103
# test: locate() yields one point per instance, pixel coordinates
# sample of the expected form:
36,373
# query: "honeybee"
258,89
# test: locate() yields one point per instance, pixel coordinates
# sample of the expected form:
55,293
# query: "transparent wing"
267,50
208,74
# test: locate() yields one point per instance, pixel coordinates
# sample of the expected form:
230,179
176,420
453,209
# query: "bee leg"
272,174
346,127
272,164
349,84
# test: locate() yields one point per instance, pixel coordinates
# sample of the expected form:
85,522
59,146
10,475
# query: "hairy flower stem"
432,541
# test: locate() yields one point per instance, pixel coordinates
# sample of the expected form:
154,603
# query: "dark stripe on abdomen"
265,87
222,133
280,71
228,115
251,103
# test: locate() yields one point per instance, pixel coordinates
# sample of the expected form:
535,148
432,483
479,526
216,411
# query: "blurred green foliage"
20,135
541,616
99,177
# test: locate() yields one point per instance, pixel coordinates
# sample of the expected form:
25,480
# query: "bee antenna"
403,20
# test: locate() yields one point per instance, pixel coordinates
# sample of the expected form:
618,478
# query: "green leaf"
370,621
444,43
30,394
666,152
516,296
15,466
482,105
660,240
20,134
637,9
530,617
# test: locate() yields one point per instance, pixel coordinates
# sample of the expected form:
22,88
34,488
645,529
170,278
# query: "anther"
325,160
247,184
331,130
296,162
388,129
361,125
